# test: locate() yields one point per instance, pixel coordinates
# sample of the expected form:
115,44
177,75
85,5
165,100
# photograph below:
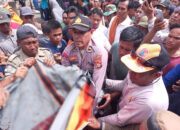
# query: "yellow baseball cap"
148,56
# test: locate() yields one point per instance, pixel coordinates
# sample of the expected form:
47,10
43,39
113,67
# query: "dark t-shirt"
118,69
66,34
56,49
83,9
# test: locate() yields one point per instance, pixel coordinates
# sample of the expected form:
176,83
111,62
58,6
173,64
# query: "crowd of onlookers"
131,49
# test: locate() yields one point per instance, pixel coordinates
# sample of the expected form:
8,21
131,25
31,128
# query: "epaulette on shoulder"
44,49
12,57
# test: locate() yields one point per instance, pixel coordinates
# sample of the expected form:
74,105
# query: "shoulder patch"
98,57
98,62
44,53
10,69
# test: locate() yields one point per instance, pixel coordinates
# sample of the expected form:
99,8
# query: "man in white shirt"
143,91
119,22
99,30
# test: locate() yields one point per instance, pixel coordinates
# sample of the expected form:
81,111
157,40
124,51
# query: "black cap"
82,23
166,4
24,32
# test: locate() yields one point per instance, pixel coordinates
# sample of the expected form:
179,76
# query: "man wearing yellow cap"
143,91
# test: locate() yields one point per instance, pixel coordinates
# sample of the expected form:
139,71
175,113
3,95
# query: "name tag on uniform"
73,60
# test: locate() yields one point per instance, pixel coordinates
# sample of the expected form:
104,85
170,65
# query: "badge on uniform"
64,56
89,48
10,69
73,58
98,62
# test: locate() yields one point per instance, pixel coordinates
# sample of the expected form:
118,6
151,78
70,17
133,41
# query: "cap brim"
133,65
161,5
109,13
81,28
27,14
143,25
5,21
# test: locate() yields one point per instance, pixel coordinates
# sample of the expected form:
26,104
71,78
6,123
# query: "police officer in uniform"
29,50
84,53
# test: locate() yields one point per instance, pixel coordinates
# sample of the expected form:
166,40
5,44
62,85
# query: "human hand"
21,72
95,124
57,57
4,94
29,61
107,98
148,9
49,62
176,86
3,58
159,25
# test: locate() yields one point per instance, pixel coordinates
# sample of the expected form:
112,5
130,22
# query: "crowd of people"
131,49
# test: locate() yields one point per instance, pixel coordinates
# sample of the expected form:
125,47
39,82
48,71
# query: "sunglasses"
142,61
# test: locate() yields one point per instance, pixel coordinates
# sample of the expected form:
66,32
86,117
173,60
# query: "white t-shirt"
126,23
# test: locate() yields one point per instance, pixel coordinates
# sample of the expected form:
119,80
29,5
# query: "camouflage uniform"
17,59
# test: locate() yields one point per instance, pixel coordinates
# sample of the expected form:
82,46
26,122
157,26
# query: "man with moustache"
28,52
84,53
143,90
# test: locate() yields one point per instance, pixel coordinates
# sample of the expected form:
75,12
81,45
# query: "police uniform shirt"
17,59
92,59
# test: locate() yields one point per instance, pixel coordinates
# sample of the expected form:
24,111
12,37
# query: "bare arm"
20,73
158,25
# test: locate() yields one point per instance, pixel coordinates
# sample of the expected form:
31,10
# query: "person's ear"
19,43
168,12
157,74
91,31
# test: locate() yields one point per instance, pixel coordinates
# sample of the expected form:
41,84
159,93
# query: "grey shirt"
8,44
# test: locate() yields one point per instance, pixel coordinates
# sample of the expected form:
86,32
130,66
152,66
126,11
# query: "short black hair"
129,2
177,25
133,4
53,24
96,11
73,9
132,34
65,12
44,27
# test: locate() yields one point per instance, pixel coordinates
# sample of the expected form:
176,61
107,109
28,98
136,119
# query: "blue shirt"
56,49
169,79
